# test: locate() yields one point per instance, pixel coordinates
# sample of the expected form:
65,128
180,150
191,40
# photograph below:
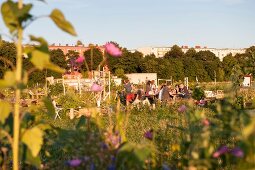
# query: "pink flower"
113,50
222,150
182,108
206,122
79,59
96,88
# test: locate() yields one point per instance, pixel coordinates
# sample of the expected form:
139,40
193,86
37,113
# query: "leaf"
33,138
8,12
49,106
41,40
26,156
59,19
5,109
249,129
81,123
54,67
40,59
13,16
9,79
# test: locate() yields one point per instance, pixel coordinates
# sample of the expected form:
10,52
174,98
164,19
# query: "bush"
198,93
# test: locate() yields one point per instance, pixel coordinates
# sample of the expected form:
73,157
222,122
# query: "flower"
206,122
112,49
74,162
79,59
222,150
182,108
148,134
237,152
96,88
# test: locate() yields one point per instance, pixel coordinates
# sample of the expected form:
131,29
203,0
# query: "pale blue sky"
138,23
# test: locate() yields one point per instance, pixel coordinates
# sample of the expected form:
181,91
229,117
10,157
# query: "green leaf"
13,16
5,109
9,79
54,67
40,59
33,138
49,106
41,40
81,123
8,12
249,129
59,19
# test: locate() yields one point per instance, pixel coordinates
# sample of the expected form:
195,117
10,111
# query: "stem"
16,125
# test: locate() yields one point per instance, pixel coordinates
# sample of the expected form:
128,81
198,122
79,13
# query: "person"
153,87
160,92
148,88
165,94
128,90
184,92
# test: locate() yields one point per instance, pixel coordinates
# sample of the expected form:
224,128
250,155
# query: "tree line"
175,64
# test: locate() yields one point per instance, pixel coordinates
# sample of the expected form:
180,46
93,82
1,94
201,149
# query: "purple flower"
222,150
113,50
237,152
74,162
182,108
148,134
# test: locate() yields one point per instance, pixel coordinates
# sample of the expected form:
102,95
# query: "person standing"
148,88
128,90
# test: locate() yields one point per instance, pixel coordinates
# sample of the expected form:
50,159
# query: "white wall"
137,78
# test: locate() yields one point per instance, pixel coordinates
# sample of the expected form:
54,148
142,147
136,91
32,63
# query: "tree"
191,53
129,62
79,43
71,57
175,52
7,56
58,58
228,63
149,64
96,55
210,61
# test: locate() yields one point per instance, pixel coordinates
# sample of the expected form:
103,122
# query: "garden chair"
57,110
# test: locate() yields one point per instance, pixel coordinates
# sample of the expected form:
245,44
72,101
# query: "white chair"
57,110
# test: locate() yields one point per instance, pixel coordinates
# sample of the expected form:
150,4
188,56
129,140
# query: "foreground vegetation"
178,136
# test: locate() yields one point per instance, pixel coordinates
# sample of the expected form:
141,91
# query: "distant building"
139,78
78,48
219,52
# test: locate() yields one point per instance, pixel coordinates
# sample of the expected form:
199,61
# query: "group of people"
151,93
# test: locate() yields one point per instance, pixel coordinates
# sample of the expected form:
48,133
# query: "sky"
140,23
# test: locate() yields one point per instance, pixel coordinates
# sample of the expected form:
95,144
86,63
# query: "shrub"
198,93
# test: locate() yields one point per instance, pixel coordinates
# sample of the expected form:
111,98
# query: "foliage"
198,93
56,89
93,57
23,135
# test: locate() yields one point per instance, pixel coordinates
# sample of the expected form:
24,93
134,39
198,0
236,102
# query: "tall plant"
17,16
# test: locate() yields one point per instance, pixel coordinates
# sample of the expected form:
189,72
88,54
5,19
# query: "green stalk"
16,125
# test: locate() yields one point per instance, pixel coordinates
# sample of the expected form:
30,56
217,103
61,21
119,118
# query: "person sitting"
184,92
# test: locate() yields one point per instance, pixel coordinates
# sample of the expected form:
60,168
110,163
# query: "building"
139,78
78,48
219,52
